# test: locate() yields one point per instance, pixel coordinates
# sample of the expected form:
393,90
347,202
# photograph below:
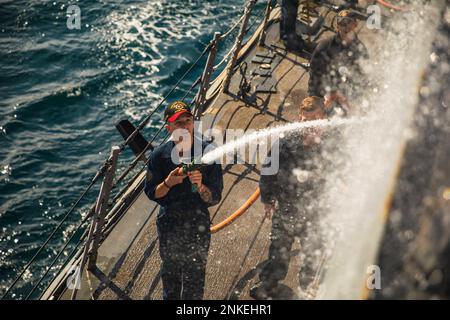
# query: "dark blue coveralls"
183,224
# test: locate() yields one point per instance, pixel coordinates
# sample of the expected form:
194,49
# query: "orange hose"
390,6
238,212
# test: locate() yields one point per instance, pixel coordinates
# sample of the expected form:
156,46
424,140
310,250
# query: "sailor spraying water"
184,192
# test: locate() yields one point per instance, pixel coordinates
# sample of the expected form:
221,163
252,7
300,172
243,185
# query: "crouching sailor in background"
292,196
183,221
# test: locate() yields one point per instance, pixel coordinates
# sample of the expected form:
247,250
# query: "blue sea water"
62,91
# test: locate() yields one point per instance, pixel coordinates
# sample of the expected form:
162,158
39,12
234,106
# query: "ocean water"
62,91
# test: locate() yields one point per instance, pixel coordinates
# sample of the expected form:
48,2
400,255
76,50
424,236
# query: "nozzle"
189,167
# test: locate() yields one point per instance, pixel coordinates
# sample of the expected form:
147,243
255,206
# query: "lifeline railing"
101,218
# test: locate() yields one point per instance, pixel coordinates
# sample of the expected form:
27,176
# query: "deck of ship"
128,263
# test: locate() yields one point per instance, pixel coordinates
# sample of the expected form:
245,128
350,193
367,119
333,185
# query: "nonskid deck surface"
129,263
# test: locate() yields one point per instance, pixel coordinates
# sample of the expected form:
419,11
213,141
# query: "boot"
294,42
349,4
264,290
306,277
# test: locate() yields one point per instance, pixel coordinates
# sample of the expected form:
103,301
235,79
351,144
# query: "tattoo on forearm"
206,195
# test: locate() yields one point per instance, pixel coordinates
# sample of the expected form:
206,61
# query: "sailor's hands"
175,177
196,178
340,99
343,102
269,209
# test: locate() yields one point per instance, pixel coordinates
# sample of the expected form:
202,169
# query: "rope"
226,34
196,83
50,237
110,226
57,257
225,58
133,164
71,254
137,158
